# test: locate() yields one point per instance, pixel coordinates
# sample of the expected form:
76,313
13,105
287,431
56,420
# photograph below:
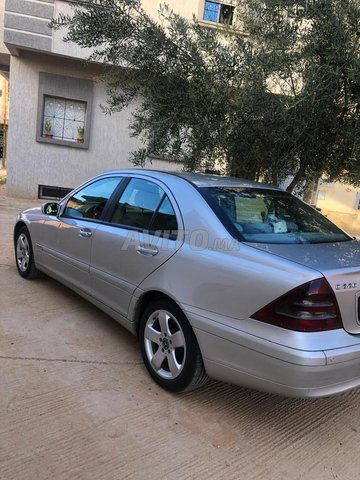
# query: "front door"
68,253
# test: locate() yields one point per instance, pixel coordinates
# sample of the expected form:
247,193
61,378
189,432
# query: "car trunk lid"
339,263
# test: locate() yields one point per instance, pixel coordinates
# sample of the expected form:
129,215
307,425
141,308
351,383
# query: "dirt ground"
77,403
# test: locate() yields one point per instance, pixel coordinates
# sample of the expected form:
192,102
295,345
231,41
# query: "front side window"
144,205
271,216
64,119
90,201
218,12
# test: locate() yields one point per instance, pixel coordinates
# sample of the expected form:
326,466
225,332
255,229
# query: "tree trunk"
299,175
310,191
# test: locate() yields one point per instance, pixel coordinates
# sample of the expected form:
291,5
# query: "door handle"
85,233
147,251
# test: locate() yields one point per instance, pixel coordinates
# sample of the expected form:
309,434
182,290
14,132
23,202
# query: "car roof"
206,180
200,179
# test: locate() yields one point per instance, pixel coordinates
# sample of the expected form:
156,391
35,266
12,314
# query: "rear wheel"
169,348
24,255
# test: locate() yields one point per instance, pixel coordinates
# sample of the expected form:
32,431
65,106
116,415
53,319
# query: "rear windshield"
270,216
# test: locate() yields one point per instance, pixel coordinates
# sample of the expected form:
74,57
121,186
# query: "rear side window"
144,205
271,216
90,201
165,219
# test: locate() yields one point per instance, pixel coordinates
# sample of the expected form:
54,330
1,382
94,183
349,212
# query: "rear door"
139,235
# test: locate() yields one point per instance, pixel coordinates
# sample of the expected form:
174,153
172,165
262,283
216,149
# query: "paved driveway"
76,403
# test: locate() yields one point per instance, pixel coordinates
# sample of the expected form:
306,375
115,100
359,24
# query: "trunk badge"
345,286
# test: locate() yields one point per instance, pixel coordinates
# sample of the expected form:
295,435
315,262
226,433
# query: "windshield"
270,216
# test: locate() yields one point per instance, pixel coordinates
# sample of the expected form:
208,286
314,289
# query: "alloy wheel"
165,344
23,253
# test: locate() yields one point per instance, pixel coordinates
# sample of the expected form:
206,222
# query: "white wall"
32,163
186,8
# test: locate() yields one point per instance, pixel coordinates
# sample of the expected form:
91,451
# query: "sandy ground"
76,403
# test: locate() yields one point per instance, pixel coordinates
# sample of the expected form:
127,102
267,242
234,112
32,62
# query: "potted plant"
48,129
80,135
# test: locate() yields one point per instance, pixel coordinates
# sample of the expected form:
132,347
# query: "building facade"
58,135
341,204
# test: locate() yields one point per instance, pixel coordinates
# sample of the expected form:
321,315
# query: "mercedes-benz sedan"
218,277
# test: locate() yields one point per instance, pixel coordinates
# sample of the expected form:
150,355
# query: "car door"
140,234
66,252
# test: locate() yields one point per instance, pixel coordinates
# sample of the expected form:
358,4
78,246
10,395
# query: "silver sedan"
218,277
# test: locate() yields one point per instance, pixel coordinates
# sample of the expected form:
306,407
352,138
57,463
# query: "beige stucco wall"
31,163
339,206
4,108
185,8
338,197
27,23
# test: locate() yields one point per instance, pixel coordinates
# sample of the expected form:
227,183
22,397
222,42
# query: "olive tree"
275,95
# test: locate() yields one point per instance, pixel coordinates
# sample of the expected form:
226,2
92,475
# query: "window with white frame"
64,119
218,12
64,110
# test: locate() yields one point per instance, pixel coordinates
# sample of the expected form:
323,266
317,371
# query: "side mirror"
50,208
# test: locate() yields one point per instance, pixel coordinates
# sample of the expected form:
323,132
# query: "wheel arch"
18,226
144,300
192,372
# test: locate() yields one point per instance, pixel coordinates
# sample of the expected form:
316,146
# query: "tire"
24,255
169,348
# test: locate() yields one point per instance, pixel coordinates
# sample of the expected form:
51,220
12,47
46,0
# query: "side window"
165,218
90,201
144,205
138,204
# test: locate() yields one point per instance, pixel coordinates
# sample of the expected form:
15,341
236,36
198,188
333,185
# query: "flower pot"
79,140
48,135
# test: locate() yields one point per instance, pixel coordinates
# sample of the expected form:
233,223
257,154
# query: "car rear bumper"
237,357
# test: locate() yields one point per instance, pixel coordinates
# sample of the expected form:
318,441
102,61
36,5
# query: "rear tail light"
312,307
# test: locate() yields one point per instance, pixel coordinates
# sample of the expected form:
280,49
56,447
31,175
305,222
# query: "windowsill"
64,143
222,27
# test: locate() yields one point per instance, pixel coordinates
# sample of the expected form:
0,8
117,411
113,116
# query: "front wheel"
169,348
24,255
